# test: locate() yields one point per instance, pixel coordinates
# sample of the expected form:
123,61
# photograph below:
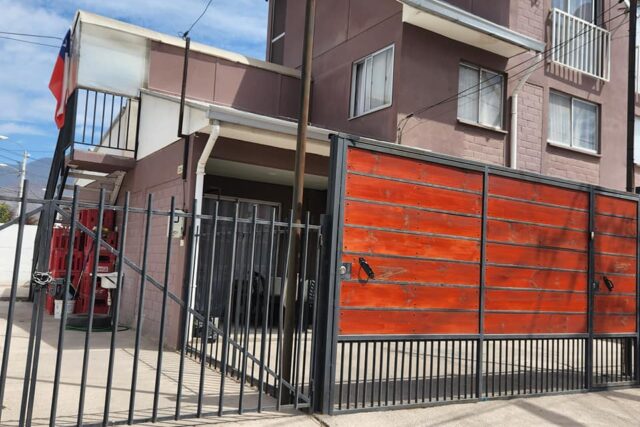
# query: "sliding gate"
454,281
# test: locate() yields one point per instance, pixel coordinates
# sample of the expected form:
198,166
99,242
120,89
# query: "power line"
40,36
186,33
532,67
29,42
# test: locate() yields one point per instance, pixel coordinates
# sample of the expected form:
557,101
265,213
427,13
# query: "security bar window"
583,9
481,96
573,122
372,82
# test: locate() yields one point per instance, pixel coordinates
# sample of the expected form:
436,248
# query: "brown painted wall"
220,81
157,174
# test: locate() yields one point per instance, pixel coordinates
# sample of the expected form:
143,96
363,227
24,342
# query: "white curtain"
560,118
491,99
380,79
585,125
468,87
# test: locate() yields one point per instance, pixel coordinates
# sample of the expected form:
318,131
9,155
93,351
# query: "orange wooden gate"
432,249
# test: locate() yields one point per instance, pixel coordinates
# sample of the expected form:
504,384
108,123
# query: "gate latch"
367,268
345,271
608,282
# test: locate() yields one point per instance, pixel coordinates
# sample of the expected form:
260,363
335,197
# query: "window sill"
481,126
574,149
375,110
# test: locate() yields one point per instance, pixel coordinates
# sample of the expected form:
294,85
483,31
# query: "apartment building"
536,85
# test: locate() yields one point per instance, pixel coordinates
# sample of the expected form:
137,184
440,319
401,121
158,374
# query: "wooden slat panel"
541,323
420,271
407,296
615,264
619,324
408,219
615,245
616,206
536,235
536,192
376,189
411,169
410,245
359,322
535,301
612,303
536,257
617,226
530,213
533,278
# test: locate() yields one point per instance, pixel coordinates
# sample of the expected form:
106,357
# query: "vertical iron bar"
12,294
245,350
227,312
92,302
187,304
283,287
207,312
116,310
265,317
63,317
301,294
482,280
163,311
143,279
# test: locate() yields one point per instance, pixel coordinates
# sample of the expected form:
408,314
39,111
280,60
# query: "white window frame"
479,70
571,144
594,7
352,102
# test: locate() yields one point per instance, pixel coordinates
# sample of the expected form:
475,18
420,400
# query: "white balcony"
580,45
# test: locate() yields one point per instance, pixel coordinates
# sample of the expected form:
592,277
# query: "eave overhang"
457,24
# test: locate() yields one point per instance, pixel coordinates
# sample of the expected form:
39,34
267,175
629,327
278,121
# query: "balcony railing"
105,122
580,45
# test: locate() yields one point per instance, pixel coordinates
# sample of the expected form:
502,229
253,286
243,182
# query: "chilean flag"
58,81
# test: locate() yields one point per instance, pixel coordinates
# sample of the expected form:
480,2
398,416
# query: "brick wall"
530,20
530,117
566,164
478,147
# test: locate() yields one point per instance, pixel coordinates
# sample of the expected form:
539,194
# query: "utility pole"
631,95
298,191
23,176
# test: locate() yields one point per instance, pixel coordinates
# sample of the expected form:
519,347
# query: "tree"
6,213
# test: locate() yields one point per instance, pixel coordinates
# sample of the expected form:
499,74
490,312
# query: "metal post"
12,297
298,190
483,269
23,177
116,305
63,317
631,95
183,93
92,302
588,383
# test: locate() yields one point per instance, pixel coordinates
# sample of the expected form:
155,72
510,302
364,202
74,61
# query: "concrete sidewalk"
611,408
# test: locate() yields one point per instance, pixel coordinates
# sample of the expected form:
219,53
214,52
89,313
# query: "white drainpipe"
198,194
513,134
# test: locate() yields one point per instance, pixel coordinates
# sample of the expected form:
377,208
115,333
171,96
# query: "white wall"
8,241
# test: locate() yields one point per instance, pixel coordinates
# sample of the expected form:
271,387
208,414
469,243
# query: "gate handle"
608,282
367,268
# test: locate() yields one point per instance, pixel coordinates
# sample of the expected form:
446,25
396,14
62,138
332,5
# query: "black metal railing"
106,121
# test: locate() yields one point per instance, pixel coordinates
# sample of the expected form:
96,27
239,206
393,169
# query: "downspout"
198,195
513,134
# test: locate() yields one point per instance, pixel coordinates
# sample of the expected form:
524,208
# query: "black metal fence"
378,373
158,351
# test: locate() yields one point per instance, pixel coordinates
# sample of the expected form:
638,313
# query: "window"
372,82
481,99
573,122
583,9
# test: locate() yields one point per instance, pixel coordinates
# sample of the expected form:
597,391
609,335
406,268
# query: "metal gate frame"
296,393
328,339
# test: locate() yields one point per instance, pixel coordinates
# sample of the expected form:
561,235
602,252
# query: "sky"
27,106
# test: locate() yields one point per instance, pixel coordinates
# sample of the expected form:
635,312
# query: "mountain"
37,175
